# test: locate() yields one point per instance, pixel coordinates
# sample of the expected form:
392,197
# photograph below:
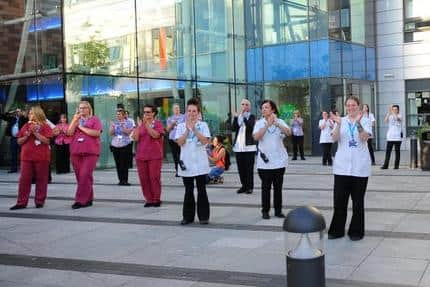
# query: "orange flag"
162,47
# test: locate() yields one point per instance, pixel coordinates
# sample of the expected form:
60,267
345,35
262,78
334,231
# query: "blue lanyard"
351,128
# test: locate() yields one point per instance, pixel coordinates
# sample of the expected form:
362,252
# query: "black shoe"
334,236
280,215
324,163
373,163
249,191
89,203
204,222
76,205
39,205
185,222
265,215
330,163
12,171
148,204
294,158
396,167
17,206
384,167
355,237
156,204
240,190
302,158
177,175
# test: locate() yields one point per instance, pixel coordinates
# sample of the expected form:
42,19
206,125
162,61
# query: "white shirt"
193,152
394,128
352,156
372,120
325,135
272,145
240,145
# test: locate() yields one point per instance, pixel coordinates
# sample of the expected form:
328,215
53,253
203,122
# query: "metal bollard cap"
305,219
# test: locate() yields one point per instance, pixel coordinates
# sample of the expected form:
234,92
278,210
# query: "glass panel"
105,94
358,21
319,58
286,62
49,36
96,44
165,38
370,64
318,19
253,23
216,109
17,40
359,62
290,96
335,58
254,64
285,21
239,47
213,28
347,60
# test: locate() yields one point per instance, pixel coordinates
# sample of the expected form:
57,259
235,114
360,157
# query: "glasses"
82,108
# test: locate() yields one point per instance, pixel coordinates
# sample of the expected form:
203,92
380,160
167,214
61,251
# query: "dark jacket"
249,127
11,120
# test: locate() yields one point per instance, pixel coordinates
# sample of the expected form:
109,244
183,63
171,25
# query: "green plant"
423,128
92,54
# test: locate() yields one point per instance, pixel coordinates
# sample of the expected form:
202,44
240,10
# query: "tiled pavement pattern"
117,242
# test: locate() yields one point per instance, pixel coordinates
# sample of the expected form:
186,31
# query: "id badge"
120,137
37,142
352,143
80,140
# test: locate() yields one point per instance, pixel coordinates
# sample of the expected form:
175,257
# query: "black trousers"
176,152
326,158
345,186
121,155
130,155
269,177
298,144
390,145
371,152
245,165
189,205
14,151
62,158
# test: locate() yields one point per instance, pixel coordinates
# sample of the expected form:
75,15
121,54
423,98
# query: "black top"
11,120
249,127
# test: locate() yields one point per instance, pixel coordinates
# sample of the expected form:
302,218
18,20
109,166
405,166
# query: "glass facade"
416,21
300,53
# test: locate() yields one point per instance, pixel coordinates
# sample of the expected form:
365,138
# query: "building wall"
396,62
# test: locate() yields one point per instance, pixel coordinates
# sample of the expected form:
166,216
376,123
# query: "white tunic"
352,156
394,128
272,145
325,135
193,152
372,120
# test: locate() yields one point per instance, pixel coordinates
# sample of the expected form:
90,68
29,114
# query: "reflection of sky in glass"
43,24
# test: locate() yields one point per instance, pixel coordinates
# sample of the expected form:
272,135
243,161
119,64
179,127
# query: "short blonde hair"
88,105
297,112
38,114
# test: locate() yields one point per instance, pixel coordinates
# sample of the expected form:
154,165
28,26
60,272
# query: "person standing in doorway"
272,158
15,121
149,155
62,142
172,123
394,135
298,135
85,130
371,118
245,146
351,169
192,136
326,126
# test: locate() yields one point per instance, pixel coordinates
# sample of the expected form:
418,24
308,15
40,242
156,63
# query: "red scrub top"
149,148
33,149
83,144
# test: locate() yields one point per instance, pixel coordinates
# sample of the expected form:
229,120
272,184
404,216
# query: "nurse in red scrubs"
85,129
34,139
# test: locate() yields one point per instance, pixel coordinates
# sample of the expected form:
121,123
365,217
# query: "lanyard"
351,128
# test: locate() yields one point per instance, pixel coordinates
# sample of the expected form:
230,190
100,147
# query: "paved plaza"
118,242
